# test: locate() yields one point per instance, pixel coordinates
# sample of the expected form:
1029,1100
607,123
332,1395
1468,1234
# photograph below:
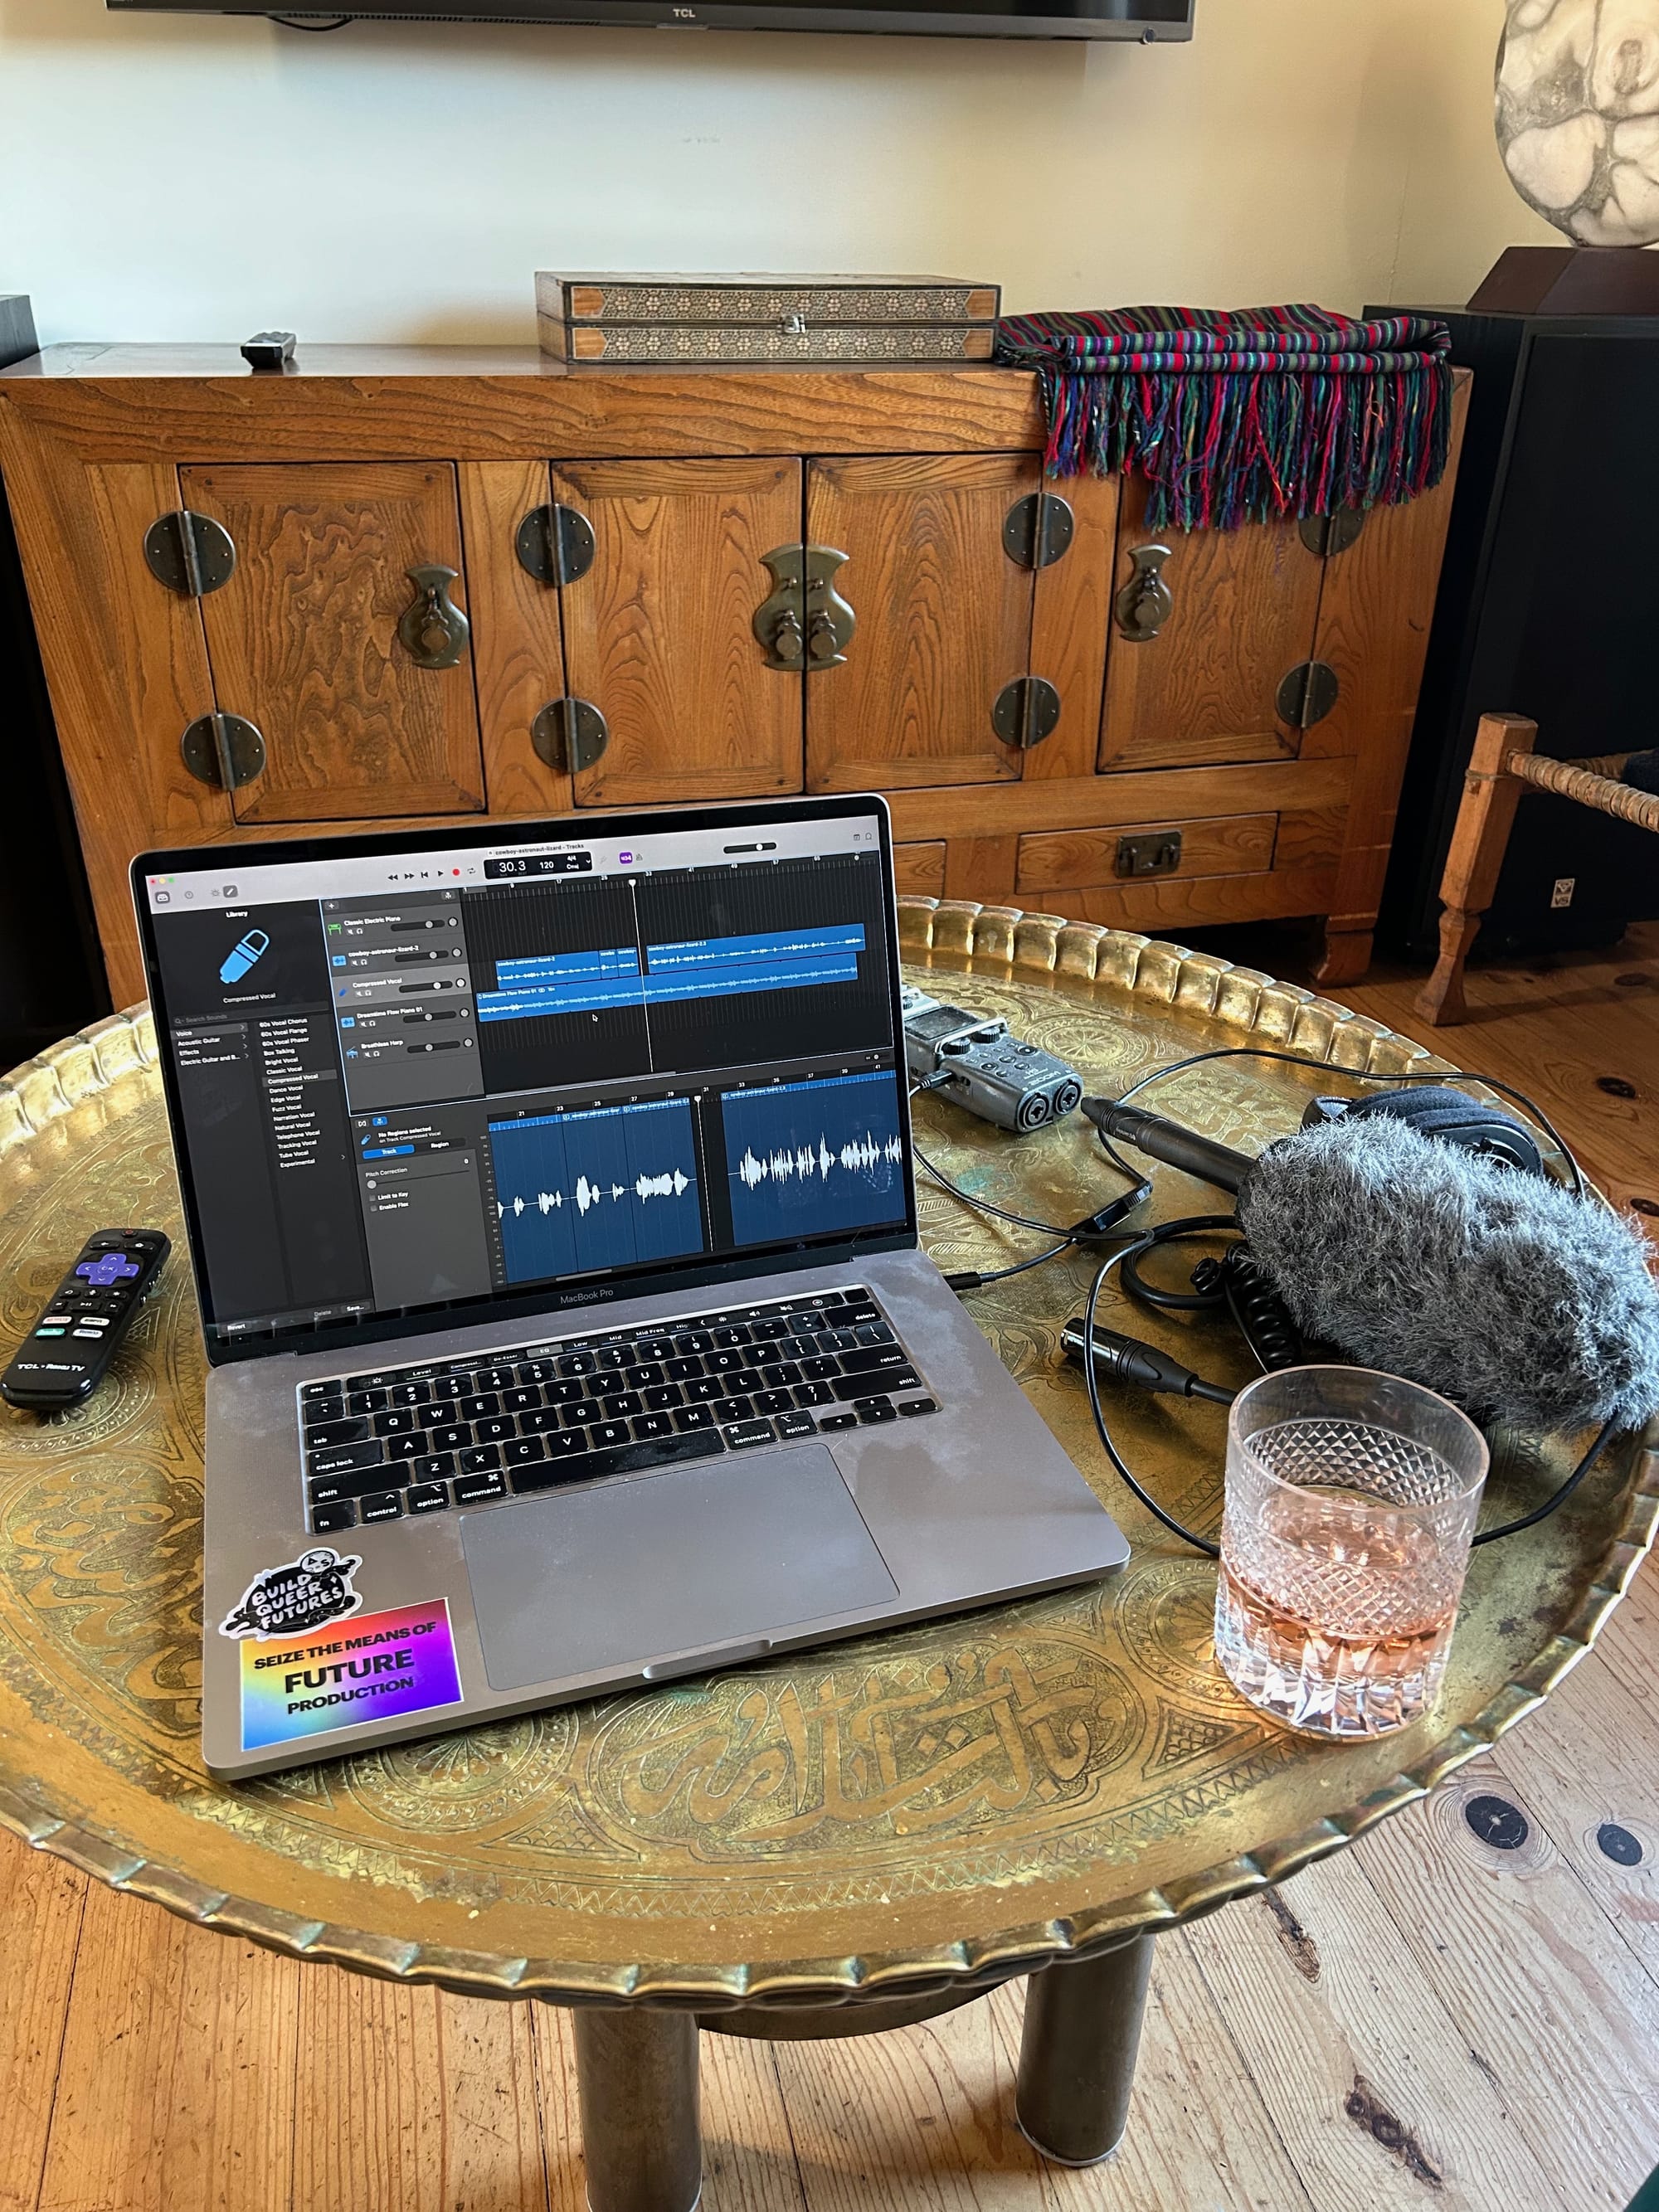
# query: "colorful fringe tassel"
1239,418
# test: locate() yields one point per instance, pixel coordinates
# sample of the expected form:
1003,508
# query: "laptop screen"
427,1074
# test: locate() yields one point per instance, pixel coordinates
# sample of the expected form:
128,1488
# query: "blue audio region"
699,967
602,1189
805,1159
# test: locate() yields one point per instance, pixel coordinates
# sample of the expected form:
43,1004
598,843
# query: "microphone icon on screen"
242,957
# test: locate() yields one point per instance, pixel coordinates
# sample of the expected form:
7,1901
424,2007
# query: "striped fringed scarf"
1237,418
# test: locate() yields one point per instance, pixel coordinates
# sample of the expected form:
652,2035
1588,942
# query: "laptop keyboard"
413,1440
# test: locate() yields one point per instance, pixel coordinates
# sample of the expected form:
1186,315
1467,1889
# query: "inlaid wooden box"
626,317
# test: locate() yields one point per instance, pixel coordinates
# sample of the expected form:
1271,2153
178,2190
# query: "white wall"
163,177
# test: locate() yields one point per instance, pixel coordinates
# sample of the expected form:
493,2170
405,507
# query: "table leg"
636,2074
1077,2056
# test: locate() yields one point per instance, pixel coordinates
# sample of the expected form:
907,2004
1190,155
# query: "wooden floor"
1426,2020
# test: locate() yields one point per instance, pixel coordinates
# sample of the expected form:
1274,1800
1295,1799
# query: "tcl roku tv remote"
64,1357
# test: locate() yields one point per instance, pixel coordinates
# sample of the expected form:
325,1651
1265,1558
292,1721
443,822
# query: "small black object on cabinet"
1544,610
51,975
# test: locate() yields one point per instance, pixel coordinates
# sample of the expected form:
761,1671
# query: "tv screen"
1142,20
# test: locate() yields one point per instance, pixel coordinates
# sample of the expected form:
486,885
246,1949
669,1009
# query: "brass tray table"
831,1844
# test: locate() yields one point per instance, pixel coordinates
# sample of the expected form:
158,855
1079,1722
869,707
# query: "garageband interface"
410,1080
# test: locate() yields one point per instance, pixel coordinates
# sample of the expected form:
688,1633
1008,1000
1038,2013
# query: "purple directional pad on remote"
109,1268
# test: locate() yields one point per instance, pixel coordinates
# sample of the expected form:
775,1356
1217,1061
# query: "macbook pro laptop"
549,1195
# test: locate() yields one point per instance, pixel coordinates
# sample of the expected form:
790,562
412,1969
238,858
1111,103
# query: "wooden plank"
658,634
1586,1767
919,868
921,2117
176,2084
1166,904
1310,837
305,641
924,2118
1246,602
202,404
1072,619
41,1902
518,655
981,868
1200,2133
125,662
1524,1961
944,619
1626,1645
1378,2092
412,2100
1090,802
1560,1029
1218,845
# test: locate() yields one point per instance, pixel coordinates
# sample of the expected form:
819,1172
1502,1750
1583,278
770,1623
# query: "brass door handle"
1145,603
788,646
803,622
830,620
432,630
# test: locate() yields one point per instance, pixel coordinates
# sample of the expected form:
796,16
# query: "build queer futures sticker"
361,1667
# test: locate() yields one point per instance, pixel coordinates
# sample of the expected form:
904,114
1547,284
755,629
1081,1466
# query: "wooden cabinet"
944,619
1243,608
477,581
303,638
658,630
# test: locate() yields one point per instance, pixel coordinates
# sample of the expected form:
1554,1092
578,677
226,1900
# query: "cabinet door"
659,633
1245,604
944,619
304,642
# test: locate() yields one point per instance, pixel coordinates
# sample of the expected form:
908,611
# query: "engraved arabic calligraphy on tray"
900,1811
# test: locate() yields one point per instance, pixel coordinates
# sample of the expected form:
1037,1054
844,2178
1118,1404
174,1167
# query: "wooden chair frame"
1502,765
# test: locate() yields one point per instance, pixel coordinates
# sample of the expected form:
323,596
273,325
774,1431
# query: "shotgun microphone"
1414,1236
1165,1140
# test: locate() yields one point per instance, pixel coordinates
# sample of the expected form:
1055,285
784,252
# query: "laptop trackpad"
702,1558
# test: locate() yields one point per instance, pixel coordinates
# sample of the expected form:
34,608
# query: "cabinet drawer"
1083,860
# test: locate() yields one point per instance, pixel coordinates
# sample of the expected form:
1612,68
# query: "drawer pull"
1145,603
1156,852
434,631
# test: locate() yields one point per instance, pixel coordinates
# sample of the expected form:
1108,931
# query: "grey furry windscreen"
1499,1290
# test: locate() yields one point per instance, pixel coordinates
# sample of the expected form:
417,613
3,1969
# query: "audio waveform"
673,1184
608,1187
806,1160
859,1155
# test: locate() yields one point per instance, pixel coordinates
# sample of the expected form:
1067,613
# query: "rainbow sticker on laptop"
359,1666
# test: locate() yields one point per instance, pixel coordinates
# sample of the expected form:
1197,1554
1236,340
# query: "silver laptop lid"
464,1074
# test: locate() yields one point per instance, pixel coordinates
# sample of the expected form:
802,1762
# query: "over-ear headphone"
1452,1116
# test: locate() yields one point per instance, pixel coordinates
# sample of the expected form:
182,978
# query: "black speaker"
1544,610
51,974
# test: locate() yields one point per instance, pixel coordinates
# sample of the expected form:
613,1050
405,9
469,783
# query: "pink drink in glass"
1352,1499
